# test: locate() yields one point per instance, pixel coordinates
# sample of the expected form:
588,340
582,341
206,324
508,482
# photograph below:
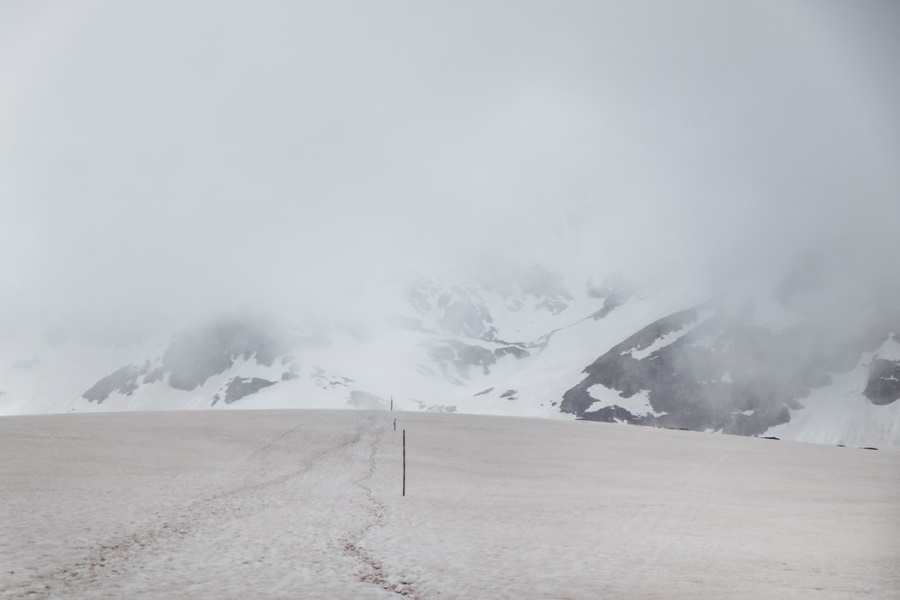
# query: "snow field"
306,504
840,413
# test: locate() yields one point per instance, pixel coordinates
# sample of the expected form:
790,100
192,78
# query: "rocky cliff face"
883,384
198,354
447,334
705,369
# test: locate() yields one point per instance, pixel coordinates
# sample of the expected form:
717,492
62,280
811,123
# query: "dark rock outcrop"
197,354
461,357
241,387
883,386
123,381
724,373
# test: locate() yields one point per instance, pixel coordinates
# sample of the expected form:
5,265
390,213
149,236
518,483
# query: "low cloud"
172,160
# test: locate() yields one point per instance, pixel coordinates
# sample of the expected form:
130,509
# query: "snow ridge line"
373,570
121,555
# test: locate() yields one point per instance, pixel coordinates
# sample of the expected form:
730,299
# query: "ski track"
250,485
304,505
371,569
121,555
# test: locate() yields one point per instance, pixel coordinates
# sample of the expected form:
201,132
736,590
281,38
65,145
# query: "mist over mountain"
683,213
525,343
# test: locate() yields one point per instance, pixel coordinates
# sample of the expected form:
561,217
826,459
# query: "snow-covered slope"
843,411
524,341
308,504
706,368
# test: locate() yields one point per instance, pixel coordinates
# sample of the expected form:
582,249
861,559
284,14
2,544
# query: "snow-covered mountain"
705,369
523,341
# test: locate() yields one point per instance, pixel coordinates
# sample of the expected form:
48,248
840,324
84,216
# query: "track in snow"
306,504
272,474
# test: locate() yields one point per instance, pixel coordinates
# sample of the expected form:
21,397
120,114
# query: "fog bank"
170,160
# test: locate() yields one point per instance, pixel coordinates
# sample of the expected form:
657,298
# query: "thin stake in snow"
404,462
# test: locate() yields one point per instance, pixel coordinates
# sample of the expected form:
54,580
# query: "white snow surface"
307,504
890,350
370,356
841,414
543,378
638,404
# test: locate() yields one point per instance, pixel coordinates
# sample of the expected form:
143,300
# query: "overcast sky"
160,157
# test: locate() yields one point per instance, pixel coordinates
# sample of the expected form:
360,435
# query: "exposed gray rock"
155,375
614,291
552,305
461,310
436,408
618,369
122,380
460,356
454,356
325,380
198,354
725,373
611,414
883,386
241,387
456,310
517,351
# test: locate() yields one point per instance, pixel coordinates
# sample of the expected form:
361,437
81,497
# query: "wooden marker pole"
404,462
